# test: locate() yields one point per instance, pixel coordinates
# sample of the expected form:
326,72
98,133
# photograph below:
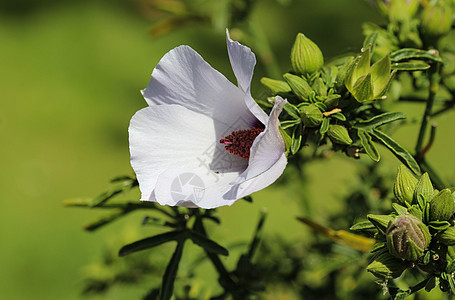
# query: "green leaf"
380,120
402,154
292,110
167,287
151,242
401,210
287,139
289,123
410,66
380,221
339,116
257,235
439,225
207,243
325,126
411,53
368,145
362,225
104,220
296,139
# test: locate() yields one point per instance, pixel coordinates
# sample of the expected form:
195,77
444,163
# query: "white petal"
167,136
183,77
263,180
197,187
243,62
268,148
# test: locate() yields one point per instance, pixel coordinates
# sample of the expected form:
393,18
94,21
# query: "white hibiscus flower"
202,141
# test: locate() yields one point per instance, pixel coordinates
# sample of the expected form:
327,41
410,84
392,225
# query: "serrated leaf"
167,286
410,66
380,120
207,243
368,145
411,53
151,242
401,153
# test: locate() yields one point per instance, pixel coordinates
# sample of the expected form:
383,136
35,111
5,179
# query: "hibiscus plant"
204,142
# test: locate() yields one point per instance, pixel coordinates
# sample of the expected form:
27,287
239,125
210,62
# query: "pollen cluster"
239,142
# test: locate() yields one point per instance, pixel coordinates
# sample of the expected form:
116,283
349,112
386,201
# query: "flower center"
239,142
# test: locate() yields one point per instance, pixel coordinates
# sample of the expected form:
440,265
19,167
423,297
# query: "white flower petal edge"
242,62
183,77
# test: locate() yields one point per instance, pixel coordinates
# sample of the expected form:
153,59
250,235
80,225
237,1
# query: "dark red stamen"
239,142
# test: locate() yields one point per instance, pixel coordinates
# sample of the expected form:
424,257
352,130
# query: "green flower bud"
436,20
442,206
399,10
404,186
276,86
367,83
311,115
306,57
386,266
299,86
339,134
424,191
447,237
407,237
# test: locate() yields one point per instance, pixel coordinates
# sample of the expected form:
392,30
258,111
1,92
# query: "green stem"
419,286
433,74
226,280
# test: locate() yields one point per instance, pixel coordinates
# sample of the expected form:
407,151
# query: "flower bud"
407,237
367,83
299,86
424,191
339,134
436,20
311,115
306,57
442,206
386,266
276,87
404,186
447,237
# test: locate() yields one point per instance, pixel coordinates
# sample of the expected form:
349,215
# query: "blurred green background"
70,75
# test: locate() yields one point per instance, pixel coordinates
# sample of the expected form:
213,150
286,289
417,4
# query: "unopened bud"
407,237
276,87
404,186
442,206
306,57
424,191
339,134
299,86
311,115
436,20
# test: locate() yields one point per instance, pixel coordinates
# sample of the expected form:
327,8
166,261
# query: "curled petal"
268,148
